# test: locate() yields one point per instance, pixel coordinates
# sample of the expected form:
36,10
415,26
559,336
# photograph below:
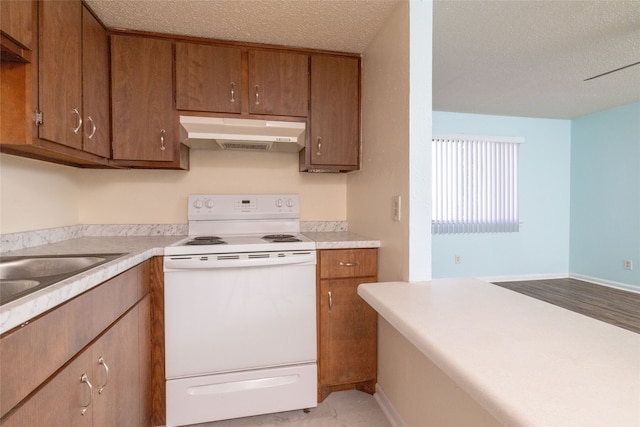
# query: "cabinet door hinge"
37,117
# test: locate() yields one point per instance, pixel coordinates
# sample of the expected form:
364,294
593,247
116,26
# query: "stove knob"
290,203
209,203
279,203
197,203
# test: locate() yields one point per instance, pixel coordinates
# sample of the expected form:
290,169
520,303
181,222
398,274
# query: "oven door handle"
206,262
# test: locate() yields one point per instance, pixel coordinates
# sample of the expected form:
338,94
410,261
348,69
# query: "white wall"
396,111
396,138
160,197
36,195
385,146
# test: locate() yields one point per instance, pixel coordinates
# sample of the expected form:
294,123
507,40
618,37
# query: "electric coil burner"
206,240
240,311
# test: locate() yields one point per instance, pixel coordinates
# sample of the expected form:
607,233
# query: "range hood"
215,133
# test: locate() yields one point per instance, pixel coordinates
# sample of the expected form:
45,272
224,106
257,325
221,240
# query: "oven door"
235,312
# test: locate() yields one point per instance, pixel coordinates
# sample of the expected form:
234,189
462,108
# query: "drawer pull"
106,371
330,301
349,264
162,132
79,120
85,380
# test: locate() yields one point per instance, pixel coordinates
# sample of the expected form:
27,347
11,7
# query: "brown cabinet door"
335,112
95,86
348,333
142,105
116,373
16,21
208,78
278,83
60,73
60,402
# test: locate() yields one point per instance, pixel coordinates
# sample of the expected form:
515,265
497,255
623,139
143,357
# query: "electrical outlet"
395,208
628,265
458,259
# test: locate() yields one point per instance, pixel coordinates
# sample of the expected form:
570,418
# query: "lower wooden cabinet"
107,382
100,387
347,325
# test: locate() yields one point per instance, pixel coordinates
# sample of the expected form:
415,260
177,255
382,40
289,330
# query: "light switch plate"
395,208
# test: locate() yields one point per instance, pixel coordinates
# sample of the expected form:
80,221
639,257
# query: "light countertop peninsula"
527,362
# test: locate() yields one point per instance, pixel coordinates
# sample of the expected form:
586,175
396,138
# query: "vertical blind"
475,184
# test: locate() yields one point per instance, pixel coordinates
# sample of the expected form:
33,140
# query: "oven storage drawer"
223,396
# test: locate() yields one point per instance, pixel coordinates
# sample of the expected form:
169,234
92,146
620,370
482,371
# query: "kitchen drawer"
31,353
339,263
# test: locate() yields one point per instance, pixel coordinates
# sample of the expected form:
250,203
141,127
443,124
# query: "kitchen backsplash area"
27,239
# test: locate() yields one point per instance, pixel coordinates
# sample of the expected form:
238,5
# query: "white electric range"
240,310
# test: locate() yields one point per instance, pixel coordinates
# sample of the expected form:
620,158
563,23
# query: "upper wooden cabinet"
235,80
144,119
334,143
95,86
74,78
278,83
58,102
60,88
17,29
208,78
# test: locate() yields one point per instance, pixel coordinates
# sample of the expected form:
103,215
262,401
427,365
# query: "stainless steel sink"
20,276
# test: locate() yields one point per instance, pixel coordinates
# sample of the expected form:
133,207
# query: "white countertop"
341,240
137,249
527,362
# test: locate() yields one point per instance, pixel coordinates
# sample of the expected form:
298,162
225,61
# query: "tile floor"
350,408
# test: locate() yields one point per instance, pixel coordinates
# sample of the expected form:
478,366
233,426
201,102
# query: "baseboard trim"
603,282
523,277
387,408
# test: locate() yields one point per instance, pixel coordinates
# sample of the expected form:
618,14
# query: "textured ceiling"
530,58
519,58
342,25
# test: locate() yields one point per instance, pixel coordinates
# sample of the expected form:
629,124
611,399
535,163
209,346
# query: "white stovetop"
527,362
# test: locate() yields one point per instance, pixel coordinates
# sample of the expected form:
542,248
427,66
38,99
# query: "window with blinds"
475,184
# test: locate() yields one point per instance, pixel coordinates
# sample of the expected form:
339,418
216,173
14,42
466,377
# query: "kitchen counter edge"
135,250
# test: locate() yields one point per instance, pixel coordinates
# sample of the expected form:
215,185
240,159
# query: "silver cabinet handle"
77,113
233,92
85,380
330,301
106,371
162,132
319,150
349,264
93,127
257,95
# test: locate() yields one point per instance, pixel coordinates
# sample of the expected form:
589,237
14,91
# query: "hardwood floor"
614,306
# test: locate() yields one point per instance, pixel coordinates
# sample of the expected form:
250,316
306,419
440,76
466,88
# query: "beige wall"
37,195
385,140
421,392
160,197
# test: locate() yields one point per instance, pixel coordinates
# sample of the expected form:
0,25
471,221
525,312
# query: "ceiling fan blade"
612,71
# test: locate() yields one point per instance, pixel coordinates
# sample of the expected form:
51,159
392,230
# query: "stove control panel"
237,207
